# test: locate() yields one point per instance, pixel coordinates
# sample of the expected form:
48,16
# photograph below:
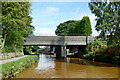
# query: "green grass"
12,68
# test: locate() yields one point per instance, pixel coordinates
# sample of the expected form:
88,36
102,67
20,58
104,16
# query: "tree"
65,28
16,23
75,27
83,27
108,18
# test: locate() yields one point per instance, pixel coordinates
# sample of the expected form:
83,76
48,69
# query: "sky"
48,15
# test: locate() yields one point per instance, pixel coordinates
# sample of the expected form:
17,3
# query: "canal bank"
10,69
50,67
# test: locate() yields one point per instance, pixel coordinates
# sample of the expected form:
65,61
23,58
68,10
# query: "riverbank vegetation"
99,51
12,68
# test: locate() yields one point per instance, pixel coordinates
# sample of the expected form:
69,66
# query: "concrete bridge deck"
58,40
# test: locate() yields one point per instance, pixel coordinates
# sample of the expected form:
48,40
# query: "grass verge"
12,68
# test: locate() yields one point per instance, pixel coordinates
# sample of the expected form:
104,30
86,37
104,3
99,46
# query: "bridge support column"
60,52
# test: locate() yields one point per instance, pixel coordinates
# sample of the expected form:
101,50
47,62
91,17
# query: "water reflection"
49,67
45,62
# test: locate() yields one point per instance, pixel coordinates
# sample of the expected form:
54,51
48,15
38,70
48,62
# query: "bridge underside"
61,52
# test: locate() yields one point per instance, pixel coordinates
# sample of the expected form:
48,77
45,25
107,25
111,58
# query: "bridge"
60,42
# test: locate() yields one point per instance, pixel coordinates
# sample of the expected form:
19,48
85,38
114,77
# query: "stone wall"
10,55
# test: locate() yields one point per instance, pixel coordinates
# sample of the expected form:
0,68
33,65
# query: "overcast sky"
48,15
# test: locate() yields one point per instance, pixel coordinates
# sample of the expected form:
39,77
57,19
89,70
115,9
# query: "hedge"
12,68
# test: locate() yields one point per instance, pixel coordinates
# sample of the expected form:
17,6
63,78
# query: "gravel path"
10,60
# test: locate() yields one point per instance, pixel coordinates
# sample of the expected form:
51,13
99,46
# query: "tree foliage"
16,23
108,18
83,27
66,28
75,27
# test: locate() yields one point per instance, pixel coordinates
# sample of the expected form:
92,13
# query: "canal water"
50,67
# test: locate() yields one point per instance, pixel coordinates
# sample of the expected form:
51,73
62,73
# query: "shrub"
96,45
12,68
103,53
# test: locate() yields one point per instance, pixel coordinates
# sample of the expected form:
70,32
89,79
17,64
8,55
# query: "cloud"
39,31
51,10
44,26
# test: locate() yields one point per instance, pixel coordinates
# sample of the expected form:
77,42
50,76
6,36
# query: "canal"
50,67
